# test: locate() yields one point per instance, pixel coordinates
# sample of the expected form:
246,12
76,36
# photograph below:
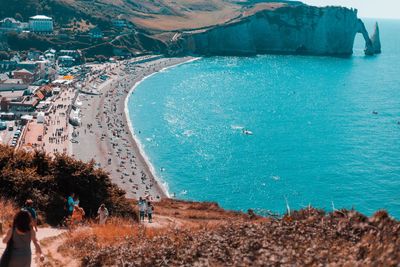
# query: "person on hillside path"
142,209
29,207
150,209
102,214
76,200
18,240
70,204
77,215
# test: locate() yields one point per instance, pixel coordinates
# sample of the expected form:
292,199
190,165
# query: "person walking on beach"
29,208
142,209
18,239
150,210
102,214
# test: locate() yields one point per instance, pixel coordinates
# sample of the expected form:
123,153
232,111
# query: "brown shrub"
8,210
308,237
47,181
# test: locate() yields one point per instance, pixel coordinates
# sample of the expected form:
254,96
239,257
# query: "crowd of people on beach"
110,122
56,125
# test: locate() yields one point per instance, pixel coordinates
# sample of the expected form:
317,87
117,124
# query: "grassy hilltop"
161,15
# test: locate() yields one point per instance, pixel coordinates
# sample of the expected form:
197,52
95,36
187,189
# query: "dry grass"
94,236
196,211
307,238
8,210
171,217
203,234
203,18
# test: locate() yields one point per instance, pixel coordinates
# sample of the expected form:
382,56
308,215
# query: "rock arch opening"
373,43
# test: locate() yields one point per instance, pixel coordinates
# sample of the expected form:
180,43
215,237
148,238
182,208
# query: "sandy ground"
105,135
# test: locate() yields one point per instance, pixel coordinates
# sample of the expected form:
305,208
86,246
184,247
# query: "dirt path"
161,221
54,257
51,239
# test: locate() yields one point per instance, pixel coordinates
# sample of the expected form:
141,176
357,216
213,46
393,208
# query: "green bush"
48,180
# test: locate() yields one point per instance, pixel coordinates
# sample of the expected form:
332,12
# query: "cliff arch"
373,44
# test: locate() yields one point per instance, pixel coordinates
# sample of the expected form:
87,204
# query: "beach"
105,132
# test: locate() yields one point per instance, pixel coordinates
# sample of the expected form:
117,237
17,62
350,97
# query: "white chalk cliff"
288,30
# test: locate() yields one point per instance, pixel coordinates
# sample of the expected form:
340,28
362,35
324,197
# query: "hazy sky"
366,8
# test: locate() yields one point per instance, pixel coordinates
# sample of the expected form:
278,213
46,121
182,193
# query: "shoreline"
163,184
107,135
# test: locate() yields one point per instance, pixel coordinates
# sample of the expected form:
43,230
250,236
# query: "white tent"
41,117
27,117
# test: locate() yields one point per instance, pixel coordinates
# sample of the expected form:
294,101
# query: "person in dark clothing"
29,208
20,235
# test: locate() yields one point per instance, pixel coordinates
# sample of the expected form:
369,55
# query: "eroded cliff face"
287,30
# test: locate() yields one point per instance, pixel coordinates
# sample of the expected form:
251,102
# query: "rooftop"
3,77
14,81
11,94
22,71
12,20
40,17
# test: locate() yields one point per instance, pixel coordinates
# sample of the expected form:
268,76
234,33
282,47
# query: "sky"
366,8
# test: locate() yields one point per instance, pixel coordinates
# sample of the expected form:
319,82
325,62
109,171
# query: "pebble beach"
105,134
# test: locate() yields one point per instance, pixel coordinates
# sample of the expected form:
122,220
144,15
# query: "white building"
11,25
41,24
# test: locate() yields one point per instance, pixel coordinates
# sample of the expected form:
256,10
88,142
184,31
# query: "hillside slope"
158,15
202,234
212,27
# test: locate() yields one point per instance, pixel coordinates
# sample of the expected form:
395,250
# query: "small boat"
247,132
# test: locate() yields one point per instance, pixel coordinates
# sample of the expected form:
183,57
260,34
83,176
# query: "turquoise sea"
326,131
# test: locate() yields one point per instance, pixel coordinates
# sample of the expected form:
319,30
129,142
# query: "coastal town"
56,102
279,143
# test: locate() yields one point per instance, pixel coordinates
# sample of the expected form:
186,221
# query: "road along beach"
106,134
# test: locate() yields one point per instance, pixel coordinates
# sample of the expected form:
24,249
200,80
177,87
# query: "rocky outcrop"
376,40
373,44
298,29
369,49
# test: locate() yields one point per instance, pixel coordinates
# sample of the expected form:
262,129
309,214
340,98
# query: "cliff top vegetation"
201,234
47,181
